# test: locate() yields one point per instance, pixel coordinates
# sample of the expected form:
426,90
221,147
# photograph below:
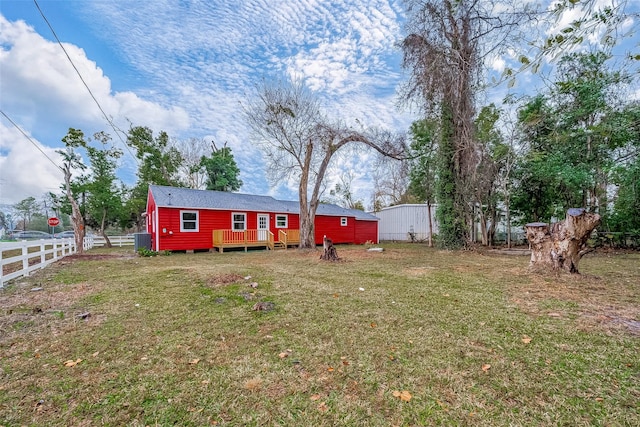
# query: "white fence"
19,259
118,241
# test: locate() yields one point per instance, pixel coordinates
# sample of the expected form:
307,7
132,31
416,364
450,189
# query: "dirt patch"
97,257
224,280
590,300
30,307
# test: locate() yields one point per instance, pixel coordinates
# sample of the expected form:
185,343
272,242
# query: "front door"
263,227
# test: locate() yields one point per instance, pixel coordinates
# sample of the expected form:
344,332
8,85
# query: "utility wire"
30,140
84,82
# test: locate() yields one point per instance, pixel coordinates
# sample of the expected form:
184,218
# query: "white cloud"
24,170
43,94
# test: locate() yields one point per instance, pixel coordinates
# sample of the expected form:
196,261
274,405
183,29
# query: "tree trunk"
107,241
330,253
76,215
562,246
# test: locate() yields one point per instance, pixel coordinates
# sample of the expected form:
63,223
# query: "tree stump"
330,253
561,246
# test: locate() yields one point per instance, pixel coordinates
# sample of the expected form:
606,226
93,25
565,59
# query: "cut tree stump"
330,253
561,246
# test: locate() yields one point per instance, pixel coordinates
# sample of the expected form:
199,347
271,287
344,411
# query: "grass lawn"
411,336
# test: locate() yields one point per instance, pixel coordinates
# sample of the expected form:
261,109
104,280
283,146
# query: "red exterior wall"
366,231
172,239
330,225
167,235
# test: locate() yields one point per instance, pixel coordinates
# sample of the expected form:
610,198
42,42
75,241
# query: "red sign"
53,221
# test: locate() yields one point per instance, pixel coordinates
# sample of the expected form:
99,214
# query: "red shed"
187,219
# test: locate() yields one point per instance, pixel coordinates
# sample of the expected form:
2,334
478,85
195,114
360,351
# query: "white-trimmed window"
343,221
282,221
189,221
238,221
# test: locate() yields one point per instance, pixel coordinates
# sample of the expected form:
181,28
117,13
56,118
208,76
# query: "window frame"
286,220
196,221
233,221
344,221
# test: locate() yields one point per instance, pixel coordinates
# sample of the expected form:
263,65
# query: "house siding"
330,225
366,231
215,209
171,238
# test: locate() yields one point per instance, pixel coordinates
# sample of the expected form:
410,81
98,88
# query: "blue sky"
186,67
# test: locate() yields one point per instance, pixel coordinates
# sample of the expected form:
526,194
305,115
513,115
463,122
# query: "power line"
84,82
30,140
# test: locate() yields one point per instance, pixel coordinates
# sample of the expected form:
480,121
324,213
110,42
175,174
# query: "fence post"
25,259
43,258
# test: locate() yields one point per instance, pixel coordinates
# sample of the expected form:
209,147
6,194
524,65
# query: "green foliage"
422,173
158,164
26,209
448,213
574,135
105,198
222,170
144,252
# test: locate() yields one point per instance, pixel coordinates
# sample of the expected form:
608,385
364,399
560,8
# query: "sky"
187,68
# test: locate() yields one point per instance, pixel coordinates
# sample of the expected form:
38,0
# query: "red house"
187,219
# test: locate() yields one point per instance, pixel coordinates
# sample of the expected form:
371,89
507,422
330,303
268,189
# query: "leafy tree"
158,163
626,175
452,231
494,157
221,169
105,199
3,221
26,209
573,134
422,175
299,141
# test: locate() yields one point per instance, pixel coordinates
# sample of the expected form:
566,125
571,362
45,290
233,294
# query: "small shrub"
146,252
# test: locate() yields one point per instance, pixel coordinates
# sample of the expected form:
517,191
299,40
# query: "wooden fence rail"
19,259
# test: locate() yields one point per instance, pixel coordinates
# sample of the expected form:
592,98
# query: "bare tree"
72,160
192,150
391,181
299,141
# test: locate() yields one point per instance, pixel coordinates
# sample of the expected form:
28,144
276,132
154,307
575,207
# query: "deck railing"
254,238
289,236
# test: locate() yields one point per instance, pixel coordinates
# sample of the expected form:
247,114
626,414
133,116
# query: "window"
239,221
343,221
281,221
188,221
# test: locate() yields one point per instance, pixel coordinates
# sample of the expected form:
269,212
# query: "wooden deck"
224,239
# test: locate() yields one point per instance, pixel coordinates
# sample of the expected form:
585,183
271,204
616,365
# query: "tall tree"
221,169
26,208
573,134
444,51
73,161
105,200
422,175
494,155
299,141
158,163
